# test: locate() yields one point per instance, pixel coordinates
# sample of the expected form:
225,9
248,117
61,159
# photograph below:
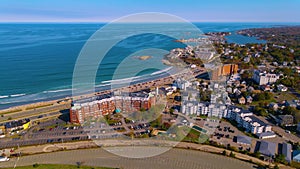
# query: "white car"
3,159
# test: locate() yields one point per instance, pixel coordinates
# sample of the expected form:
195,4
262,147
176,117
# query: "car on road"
3,159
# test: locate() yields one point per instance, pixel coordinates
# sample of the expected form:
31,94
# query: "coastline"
162,78
206,27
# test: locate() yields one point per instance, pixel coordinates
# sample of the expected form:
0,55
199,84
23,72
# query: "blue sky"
191,10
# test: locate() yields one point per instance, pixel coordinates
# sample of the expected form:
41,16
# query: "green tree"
280,159
288,110
256,154
232,154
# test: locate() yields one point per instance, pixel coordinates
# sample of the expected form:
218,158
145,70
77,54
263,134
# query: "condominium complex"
263,78
244,118
108,105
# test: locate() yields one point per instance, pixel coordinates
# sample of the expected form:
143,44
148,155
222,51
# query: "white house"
263,78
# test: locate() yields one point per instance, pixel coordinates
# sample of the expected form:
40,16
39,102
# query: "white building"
182,84
247,120
263,78
215,110
203,108
244,118
190,108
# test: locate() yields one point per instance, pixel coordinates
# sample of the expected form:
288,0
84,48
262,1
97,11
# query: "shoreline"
140,84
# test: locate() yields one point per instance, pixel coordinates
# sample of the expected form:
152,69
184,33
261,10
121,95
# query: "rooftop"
267,148
243,139
287,151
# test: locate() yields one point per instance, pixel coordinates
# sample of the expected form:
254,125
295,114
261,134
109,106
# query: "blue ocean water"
37,60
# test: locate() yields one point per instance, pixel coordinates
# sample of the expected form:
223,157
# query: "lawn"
282,96
57,166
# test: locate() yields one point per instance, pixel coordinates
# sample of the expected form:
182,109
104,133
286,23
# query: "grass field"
56,166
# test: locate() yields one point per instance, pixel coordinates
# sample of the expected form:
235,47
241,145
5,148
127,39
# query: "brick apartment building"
97,108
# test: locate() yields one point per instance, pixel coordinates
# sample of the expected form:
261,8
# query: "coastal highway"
175,158
38,112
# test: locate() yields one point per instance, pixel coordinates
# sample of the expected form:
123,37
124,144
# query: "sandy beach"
130,88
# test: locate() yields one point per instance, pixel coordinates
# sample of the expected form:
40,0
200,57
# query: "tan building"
224,70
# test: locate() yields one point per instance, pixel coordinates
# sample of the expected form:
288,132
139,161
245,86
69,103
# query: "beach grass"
39,106
10,111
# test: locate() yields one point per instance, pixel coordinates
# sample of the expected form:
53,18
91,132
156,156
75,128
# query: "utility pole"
19,154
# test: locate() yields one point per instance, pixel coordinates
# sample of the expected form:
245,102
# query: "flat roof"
287,151
267,148
243,139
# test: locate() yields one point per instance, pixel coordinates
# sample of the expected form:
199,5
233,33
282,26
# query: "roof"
267,148
255,119
266,134
296,155
243,139
287,151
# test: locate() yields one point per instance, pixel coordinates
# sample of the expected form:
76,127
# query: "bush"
35,165
232,154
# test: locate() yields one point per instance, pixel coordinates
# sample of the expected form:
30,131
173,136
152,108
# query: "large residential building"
224,70
264,78
182,84
247,120
190,108
204,108
217,110
97,108
244,118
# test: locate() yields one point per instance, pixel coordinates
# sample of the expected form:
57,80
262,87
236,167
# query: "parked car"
3,159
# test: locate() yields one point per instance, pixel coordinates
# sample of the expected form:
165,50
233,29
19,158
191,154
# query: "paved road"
175,159
44,111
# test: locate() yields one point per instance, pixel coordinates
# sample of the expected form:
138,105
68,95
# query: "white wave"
124,80
56,91
2,97
162,71
102,85
17,95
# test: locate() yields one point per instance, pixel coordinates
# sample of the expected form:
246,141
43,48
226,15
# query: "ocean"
37,60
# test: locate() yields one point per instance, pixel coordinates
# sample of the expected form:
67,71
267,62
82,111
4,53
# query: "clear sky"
107,10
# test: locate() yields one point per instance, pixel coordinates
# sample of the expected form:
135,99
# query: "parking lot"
225,134
57,130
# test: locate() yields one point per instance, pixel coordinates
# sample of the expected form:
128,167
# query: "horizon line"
105,22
